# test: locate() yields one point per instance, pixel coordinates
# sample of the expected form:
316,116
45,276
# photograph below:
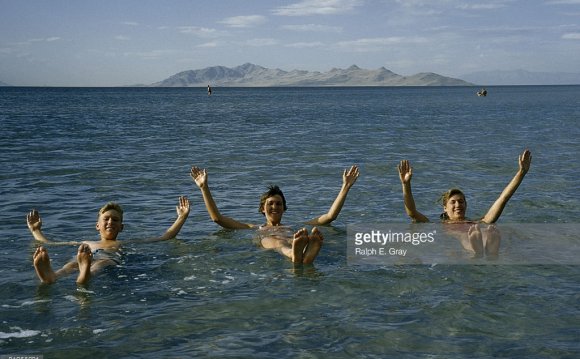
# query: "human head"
273,206
271,192
454,205
110,221
111,205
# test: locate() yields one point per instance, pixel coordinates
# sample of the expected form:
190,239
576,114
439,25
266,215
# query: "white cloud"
302,45
6,50
122,38
261,42
485,6
130,23
317,7
564,2
312,28
151,55
200,31
44,39
571,36
244,21
209,44
378,43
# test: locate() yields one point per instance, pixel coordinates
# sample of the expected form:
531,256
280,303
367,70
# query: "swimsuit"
102,254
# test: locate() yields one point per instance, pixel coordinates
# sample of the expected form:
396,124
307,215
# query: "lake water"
214,293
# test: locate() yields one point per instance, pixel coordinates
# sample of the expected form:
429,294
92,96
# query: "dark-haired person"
455,208
302,247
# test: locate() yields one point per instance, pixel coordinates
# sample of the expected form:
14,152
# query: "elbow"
323,220
487,220
411,213
330,217
221,222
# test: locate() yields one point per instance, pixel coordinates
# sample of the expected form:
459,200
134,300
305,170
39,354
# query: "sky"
129,42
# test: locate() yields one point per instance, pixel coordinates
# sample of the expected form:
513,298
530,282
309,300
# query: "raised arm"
525,160
349,177
199,176
34,223
405,174
182,213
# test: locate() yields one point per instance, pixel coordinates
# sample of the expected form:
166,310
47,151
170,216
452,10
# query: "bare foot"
298,245
492,240
475,240
42,266
84,259
314,245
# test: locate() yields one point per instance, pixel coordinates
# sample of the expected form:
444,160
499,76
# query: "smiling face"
273,209
273,205
109,224
455,207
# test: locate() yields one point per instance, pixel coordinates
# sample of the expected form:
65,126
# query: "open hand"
525,160
199,176
33,220
350,175
405,171
183,207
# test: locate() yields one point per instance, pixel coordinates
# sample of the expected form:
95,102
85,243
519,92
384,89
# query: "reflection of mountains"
250,75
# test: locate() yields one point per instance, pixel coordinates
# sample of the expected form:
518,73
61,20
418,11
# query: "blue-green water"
214,293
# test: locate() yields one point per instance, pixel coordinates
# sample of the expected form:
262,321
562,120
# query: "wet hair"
445,197
272,191
111,206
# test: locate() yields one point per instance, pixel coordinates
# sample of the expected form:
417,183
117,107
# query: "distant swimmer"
455,207
301,247
94,256
208,90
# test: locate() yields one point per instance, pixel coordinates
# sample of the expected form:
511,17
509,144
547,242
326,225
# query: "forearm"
215,214
39,236
498,206
410,207
173,231
334,210
210,205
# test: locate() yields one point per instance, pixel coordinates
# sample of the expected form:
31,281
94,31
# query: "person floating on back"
455,207
302,248
93,256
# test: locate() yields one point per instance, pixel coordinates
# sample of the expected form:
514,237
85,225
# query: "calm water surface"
214,293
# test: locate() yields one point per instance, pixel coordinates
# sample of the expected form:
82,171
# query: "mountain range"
250,75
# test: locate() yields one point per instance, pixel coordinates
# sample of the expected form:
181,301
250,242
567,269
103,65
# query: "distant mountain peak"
249,67
251,75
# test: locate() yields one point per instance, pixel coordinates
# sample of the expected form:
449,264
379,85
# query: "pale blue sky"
125,42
